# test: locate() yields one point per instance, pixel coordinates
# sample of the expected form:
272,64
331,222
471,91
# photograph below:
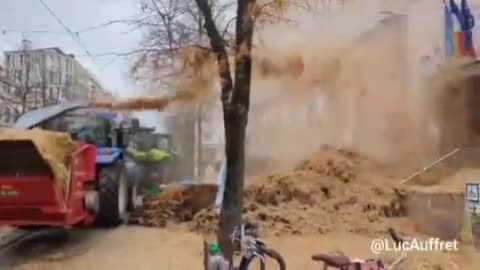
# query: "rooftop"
55,49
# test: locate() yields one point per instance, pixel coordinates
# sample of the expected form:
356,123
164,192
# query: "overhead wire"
76,33
108,23
74,36
10,30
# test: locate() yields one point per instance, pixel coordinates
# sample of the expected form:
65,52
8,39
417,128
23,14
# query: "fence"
441,214
453,161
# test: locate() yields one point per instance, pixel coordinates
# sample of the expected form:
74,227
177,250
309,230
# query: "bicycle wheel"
247,260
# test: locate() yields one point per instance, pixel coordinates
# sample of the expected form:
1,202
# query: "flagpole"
448,33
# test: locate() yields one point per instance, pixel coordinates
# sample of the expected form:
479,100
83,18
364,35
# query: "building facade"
3,95
42,77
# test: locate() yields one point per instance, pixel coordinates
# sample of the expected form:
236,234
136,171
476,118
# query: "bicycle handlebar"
245,229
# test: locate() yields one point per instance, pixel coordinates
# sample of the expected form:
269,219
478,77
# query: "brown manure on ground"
175,203
334,190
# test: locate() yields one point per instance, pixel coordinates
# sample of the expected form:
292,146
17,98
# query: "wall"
370,102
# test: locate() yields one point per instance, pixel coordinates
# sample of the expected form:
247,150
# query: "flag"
455,11
467,25
468,21
448,32
462,50
462,38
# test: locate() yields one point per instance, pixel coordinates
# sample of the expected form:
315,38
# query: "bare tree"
235,102
22,82
172,27
206,27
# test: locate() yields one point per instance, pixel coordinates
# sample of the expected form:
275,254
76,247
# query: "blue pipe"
221,180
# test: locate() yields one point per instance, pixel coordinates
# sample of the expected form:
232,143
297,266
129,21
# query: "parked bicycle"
245,240
342,262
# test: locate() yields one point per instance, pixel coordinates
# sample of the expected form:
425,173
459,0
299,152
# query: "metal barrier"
441,214
446,165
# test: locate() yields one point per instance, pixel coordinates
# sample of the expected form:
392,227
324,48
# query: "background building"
40,77
3,93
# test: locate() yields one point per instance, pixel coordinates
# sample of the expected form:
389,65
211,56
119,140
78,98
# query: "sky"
21,18
30,15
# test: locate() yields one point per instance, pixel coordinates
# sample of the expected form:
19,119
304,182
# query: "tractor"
151,153
99,191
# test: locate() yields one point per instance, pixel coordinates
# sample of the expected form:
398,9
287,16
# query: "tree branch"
218,48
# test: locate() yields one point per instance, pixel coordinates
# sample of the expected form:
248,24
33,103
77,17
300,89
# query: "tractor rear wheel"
113,195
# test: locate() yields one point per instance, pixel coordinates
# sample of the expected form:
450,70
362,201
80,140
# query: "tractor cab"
149,154
90,127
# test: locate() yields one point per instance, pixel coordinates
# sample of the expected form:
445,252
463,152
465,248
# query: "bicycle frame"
249,244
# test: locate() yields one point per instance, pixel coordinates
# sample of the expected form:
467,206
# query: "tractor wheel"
135,200
134,176
113,195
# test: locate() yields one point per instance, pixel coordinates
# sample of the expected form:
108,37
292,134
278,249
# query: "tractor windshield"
83,128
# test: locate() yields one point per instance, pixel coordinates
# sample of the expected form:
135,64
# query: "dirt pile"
335,190
175,203
54,147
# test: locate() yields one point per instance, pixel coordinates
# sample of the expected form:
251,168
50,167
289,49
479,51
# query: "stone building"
41,77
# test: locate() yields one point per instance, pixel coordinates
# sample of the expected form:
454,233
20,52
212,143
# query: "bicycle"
245,239
342,262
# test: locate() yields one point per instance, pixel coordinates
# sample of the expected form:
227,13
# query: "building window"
50,93
7,115
52,79
18,75
48,62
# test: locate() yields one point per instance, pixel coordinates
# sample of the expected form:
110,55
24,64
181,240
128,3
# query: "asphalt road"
47,246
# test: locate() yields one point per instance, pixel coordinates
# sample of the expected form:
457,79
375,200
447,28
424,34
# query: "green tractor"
149,155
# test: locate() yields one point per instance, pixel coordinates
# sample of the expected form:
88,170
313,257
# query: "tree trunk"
235,101
230,216
235,121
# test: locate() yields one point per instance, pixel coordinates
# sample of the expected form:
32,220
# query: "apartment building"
44,76
3,95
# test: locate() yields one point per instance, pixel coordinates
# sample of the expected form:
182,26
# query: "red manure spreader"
97,190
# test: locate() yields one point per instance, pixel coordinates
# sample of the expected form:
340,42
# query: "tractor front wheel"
113,195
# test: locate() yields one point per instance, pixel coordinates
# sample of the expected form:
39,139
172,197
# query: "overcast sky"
30,15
